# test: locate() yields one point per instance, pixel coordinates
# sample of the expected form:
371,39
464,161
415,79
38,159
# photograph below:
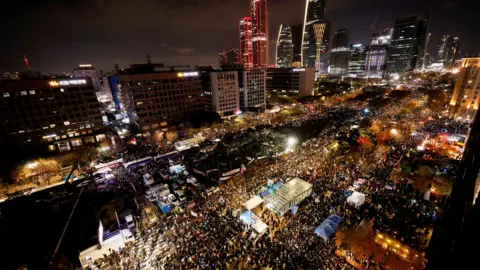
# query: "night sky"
60,34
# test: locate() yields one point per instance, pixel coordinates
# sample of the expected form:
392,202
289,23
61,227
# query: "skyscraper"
284,53
466,99
407,49
447,49
246,42
340,53
324,48
222,58
297,38
232,56
356,64
259,15
377,55
314,13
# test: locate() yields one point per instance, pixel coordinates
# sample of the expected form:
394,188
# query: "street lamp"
291,141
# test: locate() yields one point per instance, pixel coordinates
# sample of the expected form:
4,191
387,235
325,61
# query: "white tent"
253,202
260,226
357,199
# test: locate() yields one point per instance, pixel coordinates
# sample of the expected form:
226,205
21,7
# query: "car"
171,198
193,181
181,195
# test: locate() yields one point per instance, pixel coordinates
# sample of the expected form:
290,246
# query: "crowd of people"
215,238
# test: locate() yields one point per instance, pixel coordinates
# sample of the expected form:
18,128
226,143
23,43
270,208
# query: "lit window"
23,93
6,94
66,123
31,92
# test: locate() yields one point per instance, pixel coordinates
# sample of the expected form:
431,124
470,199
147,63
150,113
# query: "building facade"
408,44
87,70
447,50
154,95
291,81
252,84
377,55
61,113
260,39
284,53
246,42
233,56
222,58
356,64
339,54
466,98
314,13
223,94
297,39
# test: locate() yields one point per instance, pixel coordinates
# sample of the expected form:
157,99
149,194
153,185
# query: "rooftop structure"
289,195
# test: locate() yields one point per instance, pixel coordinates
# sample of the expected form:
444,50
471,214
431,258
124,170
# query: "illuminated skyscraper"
447,50
259,15
407,49
340,53
232,56
466,94
356,64
246,42
297,38
284,51
377,55
311,43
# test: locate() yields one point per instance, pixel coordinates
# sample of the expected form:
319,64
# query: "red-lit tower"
245,57
259,16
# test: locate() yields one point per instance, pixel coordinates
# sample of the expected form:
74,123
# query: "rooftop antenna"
27,64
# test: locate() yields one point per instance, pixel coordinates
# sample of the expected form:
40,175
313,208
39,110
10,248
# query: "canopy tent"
253,202
290,194
247,218
357,199
328,227
260,226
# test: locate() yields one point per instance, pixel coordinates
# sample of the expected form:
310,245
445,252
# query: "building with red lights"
259,16
246,45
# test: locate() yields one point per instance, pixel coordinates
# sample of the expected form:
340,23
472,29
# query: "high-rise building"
246,42
284,53
61,113
291,81
377,55
221,92
87,70
324,53
222,58
408,45
356,64
232,56
339,54
447,50
155,95
311,43
252,84
466,98
260,40
297,38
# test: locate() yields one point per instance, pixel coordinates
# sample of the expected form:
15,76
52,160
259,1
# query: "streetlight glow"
291,141
32,165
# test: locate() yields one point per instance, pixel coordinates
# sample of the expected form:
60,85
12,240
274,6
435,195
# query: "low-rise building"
252,84
291,81
221,92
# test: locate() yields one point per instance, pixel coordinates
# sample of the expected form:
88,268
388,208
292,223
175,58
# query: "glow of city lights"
291,141
366,110
394,132
32,165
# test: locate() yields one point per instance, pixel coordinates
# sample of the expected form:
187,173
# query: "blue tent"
335,218
328,227
265,193
247,217
324,232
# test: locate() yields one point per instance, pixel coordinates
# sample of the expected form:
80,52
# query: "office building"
313,34
260,40
339,54
221,92
447,50
87,70
297,39
291,81
377,55
408,44
356,64
246,42
284,53
232,56
60,113
252,85
466,98
324,49
154,95
222,58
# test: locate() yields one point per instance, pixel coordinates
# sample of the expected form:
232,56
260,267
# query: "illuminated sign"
187,74
85,66
67,82
298,69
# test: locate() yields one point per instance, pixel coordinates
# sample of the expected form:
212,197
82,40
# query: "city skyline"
114,34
